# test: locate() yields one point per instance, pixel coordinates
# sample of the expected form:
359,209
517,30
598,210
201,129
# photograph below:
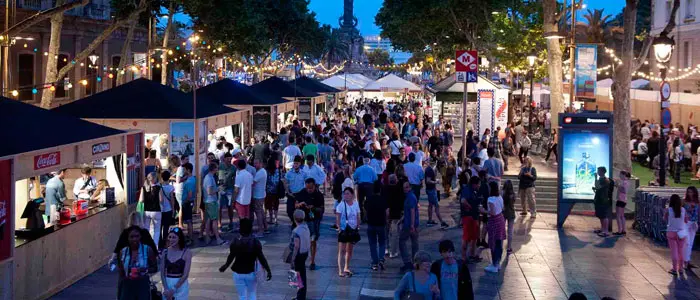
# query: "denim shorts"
432,196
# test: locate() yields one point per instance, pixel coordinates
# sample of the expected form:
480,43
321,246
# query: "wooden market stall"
266,108
166,115
334,97
41,255
306,100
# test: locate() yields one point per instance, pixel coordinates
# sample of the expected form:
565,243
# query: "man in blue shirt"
415,174
493,167
364,177
294,183
453,276
55,193
189,192
409,229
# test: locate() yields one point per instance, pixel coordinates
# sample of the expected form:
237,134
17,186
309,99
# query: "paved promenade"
547,264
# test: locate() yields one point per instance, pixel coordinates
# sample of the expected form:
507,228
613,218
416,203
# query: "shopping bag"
294,279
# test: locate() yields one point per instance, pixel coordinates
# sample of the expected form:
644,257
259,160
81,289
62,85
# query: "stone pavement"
547,264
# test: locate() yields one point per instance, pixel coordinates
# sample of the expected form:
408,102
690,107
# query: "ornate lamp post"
663,49
531,61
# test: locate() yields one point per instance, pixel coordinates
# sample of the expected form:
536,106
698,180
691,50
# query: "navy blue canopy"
277,87
142,99
26,128
231,92
314,85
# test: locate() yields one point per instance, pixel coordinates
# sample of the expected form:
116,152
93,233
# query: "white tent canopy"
353,82
392,83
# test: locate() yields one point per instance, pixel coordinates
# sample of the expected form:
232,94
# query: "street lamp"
663,49
531,61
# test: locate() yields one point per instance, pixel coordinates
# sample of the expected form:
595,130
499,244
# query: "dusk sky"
328,11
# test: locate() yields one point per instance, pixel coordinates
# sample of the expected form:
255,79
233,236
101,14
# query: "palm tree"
337,48
597,25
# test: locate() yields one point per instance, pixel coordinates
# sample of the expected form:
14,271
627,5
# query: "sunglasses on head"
176,229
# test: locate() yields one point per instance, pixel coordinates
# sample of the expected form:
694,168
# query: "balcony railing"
91,10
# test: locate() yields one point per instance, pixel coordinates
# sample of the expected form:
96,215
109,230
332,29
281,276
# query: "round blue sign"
666,117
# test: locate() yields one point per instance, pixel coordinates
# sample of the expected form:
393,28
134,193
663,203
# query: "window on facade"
687,55
115,65
690,9
91,77
25,78
63,60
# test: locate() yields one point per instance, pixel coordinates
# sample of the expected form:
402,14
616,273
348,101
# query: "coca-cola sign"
47,160
100,148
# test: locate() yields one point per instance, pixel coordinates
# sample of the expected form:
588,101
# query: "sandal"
673,272
341,275
603,235
349,273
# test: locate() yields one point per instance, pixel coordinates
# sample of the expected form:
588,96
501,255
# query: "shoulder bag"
412,295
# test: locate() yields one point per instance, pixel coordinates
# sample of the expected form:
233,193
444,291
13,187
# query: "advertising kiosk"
585,143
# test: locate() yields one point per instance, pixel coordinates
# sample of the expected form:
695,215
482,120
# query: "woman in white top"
496,226
166,208
347,218
676,232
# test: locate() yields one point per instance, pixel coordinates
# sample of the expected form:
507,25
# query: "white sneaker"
491,269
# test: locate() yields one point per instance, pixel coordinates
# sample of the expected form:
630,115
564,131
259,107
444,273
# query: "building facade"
373,42
29,53
686,54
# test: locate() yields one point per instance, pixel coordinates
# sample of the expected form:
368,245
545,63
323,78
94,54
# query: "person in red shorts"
469,201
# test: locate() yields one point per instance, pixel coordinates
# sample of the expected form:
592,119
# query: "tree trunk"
166,36
51,74
554,55
125,50
621,91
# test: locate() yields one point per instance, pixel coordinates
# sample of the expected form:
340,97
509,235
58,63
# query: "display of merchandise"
585,174
452,111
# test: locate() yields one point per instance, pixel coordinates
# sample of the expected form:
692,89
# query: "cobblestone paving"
547,264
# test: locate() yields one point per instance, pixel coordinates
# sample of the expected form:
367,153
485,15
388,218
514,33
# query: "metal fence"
650,204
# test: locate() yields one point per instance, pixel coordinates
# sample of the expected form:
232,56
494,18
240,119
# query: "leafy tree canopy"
379,57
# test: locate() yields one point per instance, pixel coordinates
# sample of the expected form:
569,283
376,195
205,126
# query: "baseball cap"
235,151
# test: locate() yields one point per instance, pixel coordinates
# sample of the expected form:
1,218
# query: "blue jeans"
246,285
403,238
375,233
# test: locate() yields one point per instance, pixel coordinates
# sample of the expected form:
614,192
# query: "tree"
379,57
552,15
173,7
337,48
52,75
257,29
597,25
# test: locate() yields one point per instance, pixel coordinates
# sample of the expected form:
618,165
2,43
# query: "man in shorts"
243,190
211,204
259,194
469,211
226,177
189,192
311,201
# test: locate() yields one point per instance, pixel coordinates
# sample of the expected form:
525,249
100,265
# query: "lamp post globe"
663,48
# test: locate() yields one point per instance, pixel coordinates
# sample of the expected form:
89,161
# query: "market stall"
352,84
487,104
306,100
334,97
391,88
45,244
266,109
162,111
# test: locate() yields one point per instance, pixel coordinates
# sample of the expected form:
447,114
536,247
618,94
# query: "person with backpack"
247,261
453,277
603,201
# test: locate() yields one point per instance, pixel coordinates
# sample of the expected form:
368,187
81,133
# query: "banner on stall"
500,109
304,114
134,175
484,111
262,121
182,140
203,147
6,210
586,72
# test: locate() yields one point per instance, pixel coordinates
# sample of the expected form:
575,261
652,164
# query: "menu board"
304,110
262,121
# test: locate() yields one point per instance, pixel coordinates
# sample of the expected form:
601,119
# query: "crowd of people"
377,161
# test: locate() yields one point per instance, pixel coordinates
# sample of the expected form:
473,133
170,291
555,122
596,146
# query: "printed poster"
484,113
182,140
581,158
203,147
6,209
586,72
134,175
500,108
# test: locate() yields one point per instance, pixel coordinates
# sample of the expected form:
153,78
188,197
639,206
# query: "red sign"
466,61
100,148
47,160
6,210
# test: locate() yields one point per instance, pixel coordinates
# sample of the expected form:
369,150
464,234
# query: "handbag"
683,233
348,233
412,295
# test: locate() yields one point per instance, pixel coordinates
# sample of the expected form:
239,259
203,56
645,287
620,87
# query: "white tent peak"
392,83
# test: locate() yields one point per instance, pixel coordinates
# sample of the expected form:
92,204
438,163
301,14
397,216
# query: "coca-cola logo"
47,160
100,148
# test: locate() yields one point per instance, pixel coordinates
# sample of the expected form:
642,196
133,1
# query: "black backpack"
611,189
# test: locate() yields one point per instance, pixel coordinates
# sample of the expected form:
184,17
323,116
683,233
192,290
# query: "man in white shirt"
313,170
645,131
211,205
483,154
259,193
420,155
179,184
243,190
289,152
85,185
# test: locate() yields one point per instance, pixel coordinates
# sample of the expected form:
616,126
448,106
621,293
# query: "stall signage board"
100,148
262,121
6,210
47,160
466,65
